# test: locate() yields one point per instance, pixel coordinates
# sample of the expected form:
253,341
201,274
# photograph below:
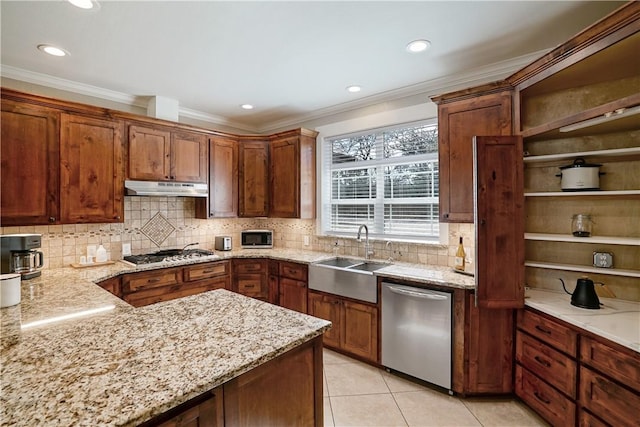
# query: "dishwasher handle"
417,294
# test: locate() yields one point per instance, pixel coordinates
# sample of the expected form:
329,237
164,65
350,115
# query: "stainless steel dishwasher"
416,332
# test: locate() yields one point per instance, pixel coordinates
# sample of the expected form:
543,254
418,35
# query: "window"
384,178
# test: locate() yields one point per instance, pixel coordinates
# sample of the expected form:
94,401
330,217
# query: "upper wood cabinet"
157,154
30,158
253,192
500,222
223,180
71,164
91,172
292,172
483,111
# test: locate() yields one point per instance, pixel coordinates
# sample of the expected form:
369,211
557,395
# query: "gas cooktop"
170,255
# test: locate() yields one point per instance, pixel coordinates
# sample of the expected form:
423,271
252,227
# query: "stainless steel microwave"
257,239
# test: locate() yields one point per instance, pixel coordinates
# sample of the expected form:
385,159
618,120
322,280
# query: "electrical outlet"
126,249
306,240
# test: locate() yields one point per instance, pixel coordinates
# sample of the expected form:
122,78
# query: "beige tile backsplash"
64,244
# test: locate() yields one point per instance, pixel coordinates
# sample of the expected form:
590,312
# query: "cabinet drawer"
293,270
549,331
204,271
608,400
252,285
614,363
544,399
554,367
139,281
585,419
257,266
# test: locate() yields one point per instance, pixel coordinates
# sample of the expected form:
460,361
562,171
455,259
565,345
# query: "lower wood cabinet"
292,285
355,324
149,287
572,377
250,278
112,285
286,391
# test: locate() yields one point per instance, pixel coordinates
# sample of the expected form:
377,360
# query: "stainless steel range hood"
153,188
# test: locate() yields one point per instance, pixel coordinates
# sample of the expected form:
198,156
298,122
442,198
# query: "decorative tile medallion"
157,229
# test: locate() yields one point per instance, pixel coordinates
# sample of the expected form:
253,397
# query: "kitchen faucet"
367,250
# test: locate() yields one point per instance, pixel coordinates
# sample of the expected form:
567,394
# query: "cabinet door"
489,350
223,177
500,221
327,308
293,294
359,332
253,178
91,170
458,123
149,152
30,159
189,151
112,285
284,171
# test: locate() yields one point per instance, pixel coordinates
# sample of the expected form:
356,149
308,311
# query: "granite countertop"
102,362
616,320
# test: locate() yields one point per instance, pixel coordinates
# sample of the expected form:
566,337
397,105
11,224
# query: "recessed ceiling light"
354,88
53,50
417,46
246,107
85,4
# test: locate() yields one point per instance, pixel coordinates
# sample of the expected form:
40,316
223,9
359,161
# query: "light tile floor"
357,394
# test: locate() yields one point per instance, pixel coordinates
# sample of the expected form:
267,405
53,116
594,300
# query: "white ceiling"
292,60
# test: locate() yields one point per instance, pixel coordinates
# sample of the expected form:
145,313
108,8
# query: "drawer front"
252,285
204,271
549,332
585,419
252,266
293,270
135,282
544,399
607,399
554,367
152,296
619,365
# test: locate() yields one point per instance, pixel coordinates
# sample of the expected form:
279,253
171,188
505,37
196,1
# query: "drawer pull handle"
249,286
541,398
153,280
542,361
208,271
543,330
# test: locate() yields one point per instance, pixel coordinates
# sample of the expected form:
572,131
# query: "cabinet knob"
52,219
446,215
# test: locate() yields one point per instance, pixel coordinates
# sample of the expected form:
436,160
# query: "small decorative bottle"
460,257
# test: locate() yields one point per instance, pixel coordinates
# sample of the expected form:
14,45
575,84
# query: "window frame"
325,186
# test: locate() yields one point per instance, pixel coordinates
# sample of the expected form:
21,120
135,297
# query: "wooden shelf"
550,130
583,269
616,152
582,193
607,240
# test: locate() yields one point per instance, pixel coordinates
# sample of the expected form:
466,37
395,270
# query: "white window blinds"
386,179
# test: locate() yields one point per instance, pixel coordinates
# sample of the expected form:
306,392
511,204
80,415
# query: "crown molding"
477,76
428,88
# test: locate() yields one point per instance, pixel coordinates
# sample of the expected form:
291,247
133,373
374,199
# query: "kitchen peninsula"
74,354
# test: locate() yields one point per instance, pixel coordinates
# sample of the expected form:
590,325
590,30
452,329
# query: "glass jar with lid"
581,225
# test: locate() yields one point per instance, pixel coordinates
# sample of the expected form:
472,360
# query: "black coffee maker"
19,254
584,295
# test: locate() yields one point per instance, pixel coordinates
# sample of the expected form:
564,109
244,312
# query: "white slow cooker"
580,176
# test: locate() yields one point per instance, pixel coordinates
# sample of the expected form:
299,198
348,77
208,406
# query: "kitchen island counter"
73,354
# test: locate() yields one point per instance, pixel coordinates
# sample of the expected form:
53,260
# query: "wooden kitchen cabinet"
150,287
250,278
208,413
482,111
354,327
253,179
292,168
91,172
292,286
30,159
112,285
223,180
160,154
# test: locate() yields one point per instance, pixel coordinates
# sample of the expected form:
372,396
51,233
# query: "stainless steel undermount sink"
347,277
